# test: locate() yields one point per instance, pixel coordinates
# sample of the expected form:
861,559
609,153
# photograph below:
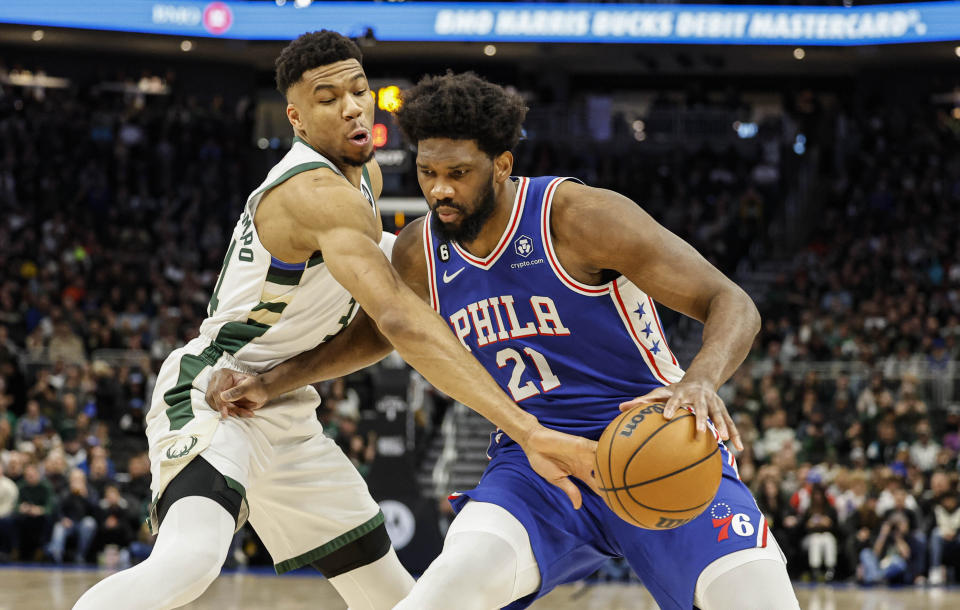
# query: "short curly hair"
462,107
309,51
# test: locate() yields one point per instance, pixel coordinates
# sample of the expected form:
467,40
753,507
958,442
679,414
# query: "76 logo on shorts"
724,519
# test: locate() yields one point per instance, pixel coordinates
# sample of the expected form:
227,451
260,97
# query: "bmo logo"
217,18
726,521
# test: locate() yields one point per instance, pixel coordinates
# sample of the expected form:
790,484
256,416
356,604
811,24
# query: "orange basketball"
655,473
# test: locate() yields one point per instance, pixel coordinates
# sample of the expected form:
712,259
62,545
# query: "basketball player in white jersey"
306,255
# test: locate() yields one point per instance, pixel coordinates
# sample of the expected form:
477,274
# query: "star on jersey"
656,347
647,331
639,311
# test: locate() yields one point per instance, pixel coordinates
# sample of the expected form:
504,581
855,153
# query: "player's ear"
293,115
502,166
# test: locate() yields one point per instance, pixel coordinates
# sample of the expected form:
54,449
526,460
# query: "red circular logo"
217,18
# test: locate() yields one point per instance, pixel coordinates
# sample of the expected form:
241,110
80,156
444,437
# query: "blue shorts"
571,544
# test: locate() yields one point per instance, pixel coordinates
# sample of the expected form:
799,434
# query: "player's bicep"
356,261
617,234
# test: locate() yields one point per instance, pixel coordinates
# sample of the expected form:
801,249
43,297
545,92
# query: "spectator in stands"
944,543
924,450
55,471
8,512
886,558
75,520
819,523
114,523
32,424
36,505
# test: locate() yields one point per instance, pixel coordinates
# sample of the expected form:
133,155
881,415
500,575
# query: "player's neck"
353,173
493,229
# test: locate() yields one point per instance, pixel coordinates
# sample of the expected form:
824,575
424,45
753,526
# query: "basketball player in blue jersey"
552,285
307,249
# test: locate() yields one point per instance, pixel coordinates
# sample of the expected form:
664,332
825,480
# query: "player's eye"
330,101
360,92
458,173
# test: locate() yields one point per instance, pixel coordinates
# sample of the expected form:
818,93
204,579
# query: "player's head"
465,129
328,98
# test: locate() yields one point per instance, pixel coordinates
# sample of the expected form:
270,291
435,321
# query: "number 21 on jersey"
548,381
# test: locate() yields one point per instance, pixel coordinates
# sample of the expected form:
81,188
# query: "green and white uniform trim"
262,312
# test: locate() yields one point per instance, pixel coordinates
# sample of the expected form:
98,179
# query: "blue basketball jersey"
567,352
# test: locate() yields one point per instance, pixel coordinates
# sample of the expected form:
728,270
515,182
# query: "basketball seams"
611,488
650,438
622,418
675,472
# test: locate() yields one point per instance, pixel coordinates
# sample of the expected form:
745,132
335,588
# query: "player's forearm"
426,343
731,324
359,345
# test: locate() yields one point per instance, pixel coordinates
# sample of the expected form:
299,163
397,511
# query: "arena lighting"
496,22
379,135
490,50
799,53
956,50
388,98
37,36
186,46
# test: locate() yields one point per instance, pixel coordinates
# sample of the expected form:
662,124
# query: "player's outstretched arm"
599,229
337,221
358,345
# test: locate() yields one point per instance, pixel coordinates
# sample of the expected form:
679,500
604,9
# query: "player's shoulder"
408,249
321,195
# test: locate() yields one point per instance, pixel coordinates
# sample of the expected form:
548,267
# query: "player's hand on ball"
556,456
235,393
699,396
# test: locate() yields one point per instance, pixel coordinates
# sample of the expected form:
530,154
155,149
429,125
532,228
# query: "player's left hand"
699,396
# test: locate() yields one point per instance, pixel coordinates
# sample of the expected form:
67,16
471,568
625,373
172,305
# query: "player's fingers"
720,417
675,402
734,432
571,490
701,410
658,395
236,392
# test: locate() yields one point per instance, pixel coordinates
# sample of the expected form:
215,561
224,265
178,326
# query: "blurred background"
810,150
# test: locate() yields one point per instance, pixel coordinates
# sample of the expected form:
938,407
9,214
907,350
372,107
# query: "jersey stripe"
547,238
656,316
647,356
431,272
490,259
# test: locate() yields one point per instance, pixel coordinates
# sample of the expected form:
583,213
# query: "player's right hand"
235,393
556,456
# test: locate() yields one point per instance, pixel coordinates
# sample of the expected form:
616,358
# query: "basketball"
655,473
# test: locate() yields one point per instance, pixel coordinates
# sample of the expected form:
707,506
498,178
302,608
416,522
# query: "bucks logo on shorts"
182,447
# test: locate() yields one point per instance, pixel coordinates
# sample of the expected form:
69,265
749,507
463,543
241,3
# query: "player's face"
332,108
457,179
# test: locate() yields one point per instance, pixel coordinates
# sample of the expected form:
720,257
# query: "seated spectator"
75,519
8,512
886,557
924,450
37,504
944,543
113,524
819,523
32,424
55,471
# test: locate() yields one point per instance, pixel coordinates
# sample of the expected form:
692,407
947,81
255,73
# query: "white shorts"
303,495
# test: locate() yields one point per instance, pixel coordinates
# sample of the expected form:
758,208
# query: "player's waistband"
221,359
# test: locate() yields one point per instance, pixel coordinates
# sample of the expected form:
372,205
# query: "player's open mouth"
360,137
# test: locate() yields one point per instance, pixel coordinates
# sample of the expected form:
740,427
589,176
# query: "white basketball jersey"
264,310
